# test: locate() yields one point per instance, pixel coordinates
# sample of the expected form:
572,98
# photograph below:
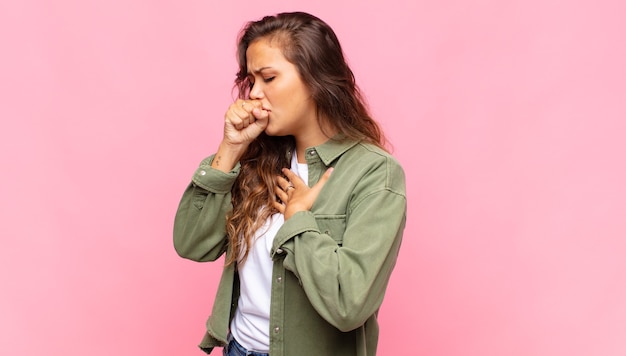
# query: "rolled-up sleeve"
200,222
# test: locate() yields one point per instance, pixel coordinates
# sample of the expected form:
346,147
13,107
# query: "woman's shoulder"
375,154
374,164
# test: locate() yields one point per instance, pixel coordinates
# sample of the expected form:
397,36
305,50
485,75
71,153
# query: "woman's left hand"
294,194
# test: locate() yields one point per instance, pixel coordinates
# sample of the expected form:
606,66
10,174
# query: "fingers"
262,118
293,178
250,106
281,195
282,188
243,118
282,182
295,194
278,206
240,113
324,177
260,114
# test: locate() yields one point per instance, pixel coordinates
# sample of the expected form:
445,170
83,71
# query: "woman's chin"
270,131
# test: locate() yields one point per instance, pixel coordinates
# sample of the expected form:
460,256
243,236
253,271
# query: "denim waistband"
239,350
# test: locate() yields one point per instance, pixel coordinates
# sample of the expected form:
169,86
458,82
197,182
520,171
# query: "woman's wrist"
227,156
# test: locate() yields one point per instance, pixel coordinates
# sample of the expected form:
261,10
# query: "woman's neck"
311,140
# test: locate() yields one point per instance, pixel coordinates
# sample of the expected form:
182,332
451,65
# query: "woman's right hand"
244,121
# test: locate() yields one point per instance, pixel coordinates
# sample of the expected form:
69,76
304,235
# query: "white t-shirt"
251,324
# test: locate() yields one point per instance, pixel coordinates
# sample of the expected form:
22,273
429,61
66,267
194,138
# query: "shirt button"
312,153
279,251
279,279
277,329
202,173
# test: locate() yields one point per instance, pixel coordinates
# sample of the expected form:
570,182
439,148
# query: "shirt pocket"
333,226
198,197
198,200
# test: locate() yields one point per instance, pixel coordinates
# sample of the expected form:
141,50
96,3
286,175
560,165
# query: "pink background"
508,116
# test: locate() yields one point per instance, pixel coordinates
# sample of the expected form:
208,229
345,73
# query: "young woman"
302,199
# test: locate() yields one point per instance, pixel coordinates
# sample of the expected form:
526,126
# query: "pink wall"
509,117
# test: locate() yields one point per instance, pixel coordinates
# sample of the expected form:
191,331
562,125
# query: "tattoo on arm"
217,161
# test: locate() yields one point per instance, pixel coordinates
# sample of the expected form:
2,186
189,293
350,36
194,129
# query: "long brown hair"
312,46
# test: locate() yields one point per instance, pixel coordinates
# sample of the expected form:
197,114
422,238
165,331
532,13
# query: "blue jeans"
235,349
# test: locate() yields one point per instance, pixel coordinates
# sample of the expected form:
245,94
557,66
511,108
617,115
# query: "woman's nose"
256,92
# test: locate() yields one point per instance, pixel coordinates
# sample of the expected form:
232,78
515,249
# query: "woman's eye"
267,80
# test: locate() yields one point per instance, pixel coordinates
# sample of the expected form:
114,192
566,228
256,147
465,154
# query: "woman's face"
276,83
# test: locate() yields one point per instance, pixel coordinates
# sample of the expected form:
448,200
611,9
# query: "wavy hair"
312,46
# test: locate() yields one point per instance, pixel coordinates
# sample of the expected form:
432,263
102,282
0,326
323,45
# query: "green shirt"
331,264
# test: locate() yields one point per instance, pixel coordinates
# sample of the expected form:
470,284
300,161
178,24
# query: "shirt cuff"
214,180
297,224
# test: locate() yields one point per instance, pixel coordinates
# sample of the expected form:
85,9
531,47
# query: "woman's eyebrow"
258,71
